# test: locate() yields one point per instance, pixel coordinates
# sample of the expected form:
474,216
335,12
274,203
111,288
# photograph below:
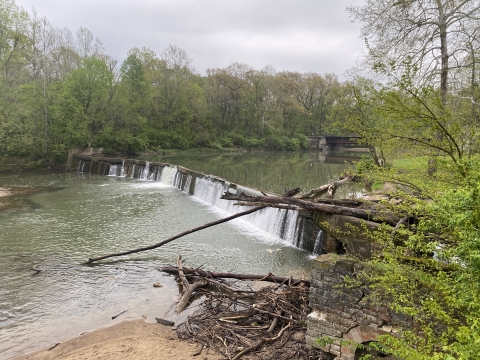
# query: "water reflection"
273,171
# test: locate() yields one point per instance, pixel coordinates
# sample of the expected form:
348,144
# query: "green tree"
88,94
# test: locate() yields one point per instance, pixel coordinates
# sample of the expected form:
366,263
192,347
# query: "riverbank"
135,339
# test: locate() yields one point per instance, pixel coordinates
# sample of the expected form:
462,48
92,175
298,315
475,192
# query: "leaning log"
299,204
220,275
288,194
151,247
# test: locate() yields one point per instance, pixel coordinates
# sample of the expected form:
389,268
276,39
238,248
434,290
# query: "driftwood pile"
239,322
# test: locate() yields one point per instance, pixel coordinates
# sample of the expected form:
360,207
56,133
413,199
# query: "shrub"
238,139
365,164
227,142
292,144
304,141
179,142
136,145
276,143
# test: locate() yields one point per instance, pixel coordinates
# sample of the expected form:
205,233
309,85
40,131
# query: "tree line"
61,89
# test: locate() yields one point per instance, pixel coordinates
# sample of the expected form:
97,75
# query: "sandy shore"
127,340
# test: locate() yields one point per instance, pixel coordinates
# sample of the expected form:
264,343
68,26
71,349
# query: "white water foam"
122,170
113,170
145,172
317,248
167,175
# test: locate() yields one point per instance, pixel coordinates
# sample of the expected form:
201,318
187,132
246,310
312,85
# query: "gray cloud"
301,35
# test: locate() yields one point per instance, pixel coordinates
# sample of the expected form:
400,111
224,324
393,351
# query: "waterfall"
317,248
113,170
279,222
145,172
122,170
167,175
80,166
288,225
188,184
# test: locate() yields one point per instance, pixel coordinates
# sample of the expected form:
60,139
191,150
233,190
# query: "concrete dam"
295,227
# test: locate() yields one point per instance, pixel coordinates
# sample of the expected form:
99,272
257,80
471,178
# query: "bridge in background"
327,142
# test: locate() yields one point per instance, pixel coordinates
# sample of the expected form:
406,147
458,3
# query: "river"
82,216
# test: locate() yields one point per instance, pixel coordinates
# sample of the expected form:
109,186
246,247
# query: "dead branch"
288,194
220,275
151,247
328,188
188,288
236,329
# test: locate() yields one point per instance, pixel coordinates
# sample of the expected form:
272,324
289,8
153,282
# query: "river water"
82,216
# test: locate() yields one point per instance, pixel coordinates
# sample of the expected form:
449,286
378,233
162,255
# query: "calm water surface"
273,171
84,216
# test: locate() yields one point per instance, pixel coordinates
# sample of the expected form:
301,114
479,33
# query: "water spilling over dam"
296,228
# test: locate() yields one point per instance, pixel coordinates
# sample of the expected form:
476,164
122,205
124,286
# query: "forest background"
60,89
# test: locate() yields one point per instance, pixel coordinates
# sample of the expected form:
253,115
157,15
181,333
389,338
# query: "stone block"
316,292
348,351
317,323
309,341
340,320
312,333
344,267
331,296
320,284
400,318
317,274
341,328
324,262
317,303
346,297
361,334
335,314
335,350
387,328
318,319
332,278
373,319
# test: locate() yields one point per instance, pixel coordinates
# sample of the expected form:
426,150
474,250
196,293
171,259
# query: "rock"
299,336
157,285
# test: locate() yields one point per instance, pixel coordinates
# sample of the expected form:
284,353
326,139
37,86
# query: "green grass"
377,185
411,163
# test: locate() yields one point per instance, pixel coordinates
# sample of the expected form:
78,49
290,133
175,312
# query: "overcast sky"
297,35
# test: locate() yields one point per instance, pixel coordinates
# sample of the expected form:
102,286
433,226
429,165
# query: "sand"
127,340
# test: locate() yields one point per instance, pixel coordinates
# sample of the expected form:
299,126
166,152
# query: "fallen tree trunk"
274,201
151,247
328,188
220,275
